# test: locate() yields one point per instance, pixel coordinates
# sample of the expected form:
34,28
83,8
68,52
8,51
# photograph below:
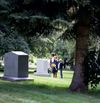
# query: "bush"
92,69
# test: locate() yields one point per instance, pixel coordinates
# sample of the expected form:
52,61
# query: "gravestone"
16,65
42,67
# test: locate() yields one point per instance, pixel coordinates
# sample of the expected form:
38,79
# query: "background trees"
31,20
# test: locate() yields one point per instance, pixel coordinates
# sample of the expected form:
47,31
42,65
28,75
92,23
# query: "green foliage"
92,69
10,41
31,58
30,25
4,4
83,2
64,48
41,46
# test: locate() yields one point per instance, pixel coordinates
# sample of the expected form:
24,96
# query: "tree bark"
82,38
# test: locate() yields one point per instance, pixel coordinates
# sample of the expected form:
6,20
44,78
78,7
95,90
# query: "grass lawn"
45,90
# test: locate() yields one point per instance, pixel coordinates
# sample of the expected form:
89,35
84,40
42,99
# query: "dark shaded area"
92,69
51,9
27,86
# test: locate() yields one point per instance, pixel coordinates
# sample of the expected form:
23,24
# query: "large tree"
86,17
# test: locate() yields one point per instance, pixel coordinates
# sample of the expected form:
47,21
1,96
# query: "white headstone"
42,67
16,65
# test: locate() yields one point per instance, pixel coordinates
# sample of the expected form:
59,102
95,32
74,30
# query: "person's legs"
55,74
61,74
54,71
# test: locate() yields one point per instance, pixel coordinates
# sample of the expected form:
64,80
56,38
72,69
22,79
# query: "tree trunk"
81,51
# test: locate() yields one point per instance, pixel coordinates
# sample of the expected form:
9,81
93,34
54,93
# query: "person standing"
61,64
54,65
65,63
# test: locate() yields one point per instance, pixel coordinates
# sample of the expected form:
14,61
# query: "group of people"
56,64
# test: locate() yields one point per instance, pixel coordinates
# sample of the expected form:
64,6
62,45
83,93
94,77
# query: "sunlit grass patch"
44,90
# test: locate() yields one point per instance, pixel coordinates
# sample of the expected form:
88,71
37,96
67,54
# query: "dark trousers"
61,74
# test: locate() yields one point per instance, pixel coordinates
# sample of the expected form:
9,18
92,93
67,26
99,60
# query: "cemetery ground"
44,90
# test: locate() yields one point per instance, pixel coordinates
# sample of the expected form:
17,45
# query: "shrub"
92,69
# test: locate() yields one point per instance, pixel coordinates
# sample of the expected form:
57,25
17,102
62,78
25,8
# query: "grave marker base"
16,79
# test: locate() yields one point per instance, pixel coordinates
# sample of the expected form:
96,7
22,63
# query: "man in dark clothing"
65,63
61,67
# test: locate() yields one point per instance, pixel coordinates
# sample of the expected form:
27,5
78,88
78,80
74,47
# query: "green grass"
44,90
